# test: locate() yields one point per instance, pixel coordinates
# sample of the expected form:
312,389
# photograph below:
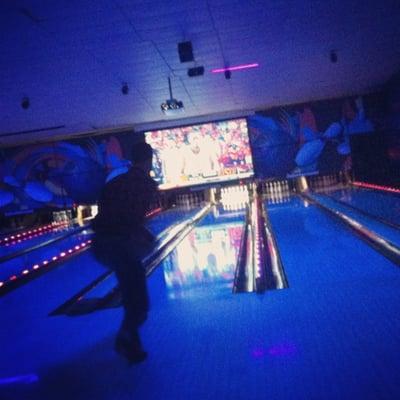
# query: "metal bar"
366,213
23,279
240,280
383,246
9,257
276,269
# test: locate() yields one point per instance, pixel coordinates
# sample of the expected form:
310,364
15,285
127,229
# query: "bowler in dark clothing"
122,240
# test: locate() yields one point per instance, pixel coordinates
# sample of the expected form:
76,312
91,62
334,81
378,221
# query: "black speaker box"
196,71
185,51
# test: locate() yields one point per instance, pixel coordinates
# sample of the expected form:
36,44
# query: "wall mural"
58,174
305,139
310,139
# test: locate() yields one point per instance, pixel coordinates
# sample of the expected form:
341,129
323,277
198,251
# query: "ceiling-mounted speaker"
333,56
196,71
185,51
25,103
125,88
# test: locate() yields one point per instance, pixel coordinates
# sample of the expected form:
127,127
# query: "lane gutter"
240,282
383,246
19,253
259,266
276,270
365,213
37,270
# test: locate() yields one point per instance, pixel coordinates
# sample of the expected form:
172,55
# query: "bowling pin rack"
322,182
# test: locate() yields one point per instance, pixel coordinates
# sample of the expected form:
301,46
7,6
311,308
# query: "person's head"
142,155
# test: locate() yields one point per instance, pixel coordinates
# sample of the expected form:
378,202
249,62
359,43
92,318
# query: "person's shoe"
131,351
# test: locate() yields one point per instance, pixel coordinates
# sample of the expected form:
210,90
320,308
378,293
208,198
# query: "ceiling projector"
171,106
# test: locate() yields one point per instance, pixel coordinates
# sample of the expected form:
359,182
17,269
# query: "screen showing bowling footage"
199,154
207,254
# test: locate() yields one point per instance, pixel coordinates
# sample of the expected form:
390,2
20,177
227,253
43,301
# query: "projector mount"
171,106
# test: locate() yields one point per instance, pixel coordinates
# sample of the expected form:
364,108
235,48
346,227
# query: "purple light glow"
282,349
258,353
277,350
237,68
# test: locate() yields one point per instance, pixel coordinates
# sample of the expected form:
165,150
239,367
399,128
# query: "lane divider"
79,304
241,280
383,246
32,233
38,269
34,271
277,278
365,213
21,252
259,266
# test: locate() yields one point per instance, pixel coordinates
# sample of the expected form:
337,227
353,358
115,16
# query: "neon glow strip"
377,187
153,212
18,238
55,259
237,68
46,263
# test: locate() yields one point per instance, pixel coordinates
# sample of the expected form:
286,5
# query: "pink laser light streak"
237,68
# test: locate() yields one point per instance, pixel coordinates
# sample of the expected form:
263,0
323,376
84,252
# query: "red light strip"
46,263
153,212
19,237
377,187
236,68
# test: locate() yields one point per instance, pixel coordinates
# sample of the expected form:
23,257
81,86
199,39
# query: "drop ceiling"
71,57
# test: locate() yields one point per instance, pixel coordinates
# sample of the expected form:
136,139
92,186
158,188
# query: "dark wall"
376,159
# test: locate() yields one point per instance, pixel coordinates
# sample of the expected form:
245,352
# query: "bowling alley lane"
335,321
40,256
32,352
204,263
29,305
317,249
12,269
384,205
343,302
368,221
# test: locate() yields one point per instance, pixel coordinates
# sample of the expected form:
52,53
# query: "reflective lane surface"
388,232
27,241
333,334
204,262
384,205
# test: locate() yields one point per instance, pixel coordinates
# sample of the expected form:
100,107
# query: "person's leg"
118,256
132,282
